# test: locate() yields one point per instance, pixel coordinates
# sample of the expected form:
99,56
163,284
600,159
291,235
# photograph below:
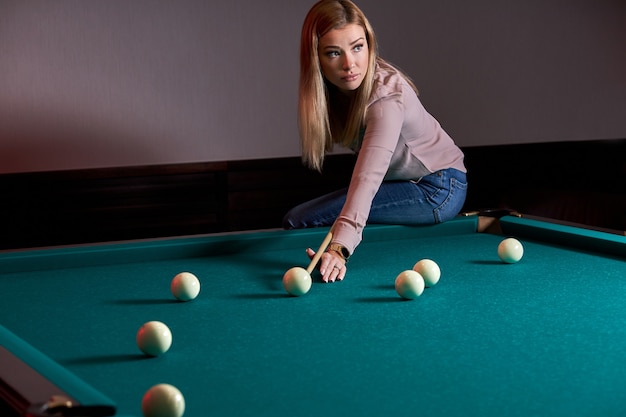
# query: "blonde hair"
318,132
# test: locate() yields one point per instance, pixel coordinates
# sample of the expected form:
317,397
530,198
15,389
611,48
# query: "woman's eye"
358,47
332,54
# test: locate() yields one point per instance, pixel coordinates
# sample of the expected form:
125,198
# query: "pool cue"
320,251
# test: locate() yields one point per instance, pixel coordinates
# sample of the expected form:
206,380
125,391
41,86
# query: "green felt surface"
543,337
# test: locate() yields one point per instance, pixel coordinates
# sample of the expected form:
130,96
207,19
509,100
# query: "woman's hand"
331,265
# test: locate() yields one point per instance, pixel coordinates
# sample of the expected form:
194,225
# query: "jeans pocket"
453,203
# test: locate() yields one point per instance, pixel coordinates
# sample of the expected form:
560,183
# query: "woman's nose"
348,64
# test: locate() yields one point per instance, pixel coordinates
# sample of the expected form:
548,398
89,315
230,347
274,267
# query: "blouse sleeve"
383,123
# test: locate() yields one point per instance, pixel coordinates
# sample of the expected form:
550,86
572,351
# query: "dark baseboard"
97,205
580,182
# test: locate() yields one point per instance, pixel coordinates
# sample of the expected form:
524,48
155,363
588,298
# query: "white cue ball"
154,338
297,281
409,284
185,286
429,270
163,400
510,250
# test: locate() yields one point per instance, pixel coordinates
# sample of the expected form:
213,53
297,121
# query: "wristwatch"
336,247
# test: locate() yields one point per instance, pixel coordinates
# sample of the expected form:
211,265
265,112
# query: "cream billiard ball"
409,284
429,270
297,281
163,400
185,286
510,250
154,338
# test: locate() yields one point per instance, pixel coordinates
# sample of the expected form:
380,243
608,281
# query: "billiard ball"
409,284
154,338
297,281
185,286
163,400
429,270
510,250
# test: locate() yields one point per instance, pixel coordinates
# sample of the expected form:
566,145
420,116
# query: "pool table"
542,337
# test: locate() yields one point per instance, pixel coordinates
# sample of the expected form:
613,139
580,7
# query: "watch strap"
341,250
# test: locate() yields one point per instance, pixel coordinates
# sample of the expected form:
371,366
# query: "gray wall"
133,82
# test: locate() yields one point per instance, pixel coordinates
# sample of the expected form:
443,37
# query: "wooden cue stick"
320,251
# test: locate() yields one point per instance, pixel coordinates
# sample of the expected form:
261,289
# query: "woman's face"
344,56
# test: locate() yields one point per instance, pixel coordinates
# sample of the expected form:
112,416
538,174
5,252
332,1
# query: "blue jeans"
435,198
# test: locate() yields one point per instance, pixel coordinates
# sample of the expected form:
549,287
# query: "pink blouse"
402,141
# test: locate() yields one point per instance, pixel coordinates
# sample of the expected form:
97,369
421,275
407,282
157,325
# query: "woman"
408,170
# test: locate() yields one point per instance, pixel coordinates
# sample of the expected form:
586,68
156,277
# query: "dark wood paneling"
581,182
55,208
261,192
